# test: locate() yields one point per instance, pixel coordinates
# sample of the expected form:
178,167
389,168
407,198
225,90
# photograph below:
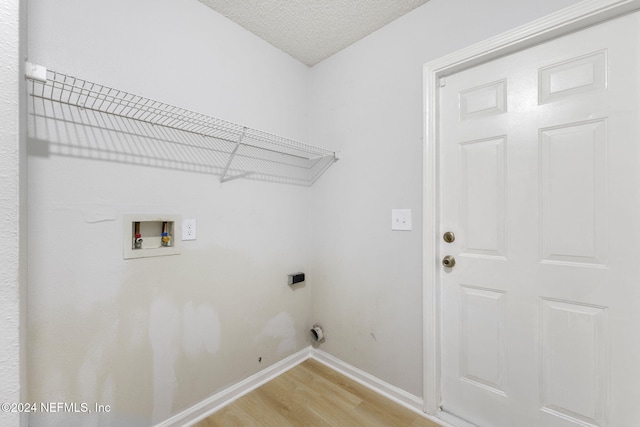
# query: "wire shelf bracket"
233,153
120,126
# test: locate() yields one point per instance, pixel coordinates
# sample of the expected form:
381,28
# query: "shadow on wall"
76,118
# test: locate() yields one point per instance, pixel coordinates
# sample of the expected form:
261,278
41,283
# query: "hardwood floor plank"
314,395
330,390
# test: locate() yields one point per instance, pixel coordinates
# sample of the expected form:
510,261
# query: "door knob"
448,261
449,237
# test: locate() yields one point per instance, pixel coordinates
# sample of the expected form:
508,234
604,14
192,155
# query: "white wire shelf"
76,117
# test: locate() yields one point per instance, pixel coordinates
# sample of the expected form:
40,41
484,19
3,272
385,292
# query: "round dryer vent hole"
317,334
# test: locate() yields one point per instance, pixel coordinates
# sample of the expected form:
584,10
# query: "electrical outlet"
188,229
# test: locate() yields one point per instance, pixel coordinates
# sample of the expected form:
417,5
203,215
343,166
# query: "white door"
540,183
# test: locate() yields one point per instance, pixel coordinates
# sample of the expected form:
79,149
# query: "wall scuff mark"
164,331
280,327
201,327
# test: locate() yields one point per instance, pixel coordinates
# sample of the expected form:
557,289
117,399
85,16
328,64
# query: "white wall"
12,213
367,101
152,337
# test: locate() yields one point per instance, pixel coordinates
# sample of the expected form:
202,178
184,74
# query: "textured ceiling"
312,30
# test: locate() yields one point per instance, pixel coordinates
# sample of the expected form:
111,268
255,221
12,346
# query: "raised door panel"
575,374
573,193
482,197
483,357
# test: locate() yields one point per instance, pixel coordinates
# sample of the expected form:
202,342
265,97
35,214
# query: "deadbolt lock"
449,237
448,261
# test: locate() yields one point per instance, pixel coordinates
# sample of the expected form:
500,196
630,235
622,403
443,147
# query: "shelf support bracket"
232,155
35,72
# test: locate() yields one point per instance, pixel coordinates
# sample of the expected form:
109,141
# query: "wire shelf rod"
140,120
232,138
174,117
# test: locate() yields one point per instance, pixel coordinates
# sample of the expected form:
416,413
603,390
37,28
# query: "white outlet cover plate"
188,229
401,219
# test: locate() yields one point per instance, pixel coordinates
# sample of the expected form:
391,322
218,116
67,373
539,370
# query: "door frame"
570,19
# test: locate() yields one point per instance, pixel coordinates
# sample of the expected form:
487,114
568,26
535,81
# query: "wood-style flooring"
311,394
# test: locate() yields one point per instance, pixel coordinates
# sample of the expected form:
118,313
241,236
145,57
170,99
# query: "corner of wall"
23,220
12,211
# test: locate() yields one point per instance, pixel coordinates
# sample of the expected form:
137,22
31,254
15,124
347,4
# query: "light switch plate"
401,219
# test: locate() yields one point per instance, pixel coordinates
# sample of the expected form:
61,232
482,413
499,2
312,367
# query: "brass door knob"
448,261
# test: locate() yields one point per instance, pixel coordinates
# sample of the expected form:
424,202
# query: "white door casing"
518,311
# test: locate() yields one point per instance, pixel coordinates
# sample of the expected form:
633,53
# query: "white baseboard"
219,400
389,391
401,397
216,402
